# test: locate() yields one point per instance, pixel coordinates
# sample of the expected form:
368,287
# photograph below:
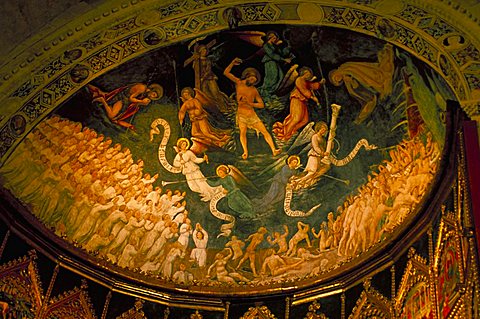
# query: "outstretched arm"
303,227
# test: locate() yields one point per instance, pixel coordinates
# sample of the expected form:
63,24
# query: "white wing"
304,137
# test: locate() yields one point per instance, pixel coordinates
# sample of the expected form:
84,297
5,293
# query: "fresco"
260,156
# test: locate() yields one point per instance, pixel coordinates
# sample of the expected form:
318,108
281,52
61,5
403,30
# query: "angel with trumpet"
188,162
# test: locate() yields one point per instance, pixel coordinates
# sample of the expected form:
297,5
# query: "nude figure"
276,265
248,99
250,253
302,234
236,245
220,264
280,240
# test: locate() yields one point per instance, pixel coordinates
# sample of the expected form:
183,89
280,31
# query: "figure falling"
127,101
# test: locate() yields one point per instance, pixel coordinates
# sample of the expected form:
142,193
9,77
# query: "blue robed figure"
276,192
236,199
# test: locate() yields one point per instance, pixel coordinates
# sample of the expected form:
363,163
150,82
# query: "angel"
236,199
205,80
276,192
315,167
188,162
276,53
367,81
201,128
127,101
320,157
305,87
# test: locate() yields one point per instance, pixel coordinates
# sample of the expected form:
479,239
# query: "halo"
222,166
158,89
251,72
183,139
319,125
335,77
292,157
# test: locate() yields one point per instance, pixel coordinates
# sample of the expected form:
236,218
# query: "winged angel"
186,162
276,56
320,158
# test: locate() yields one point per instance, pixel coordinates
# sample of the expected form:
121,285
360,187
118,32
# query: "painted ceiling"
245,159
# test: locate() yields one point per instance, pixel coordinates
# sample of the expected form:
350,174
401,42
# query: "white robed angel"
187,162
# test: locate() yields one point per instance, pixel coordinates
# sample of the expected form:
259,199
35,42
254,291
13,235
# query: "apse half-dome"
257,160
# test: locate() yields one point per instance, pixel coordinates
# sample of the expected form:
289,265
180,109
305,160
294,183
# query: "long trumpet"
164,183
345,181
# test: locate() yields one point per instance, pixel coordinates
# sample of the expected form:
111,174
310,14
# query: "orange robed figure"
298,117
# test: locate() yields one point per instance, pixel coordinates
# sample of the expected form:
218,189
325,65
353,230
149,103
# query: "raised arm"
302,226
270,241
285,234
230,254
228,70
